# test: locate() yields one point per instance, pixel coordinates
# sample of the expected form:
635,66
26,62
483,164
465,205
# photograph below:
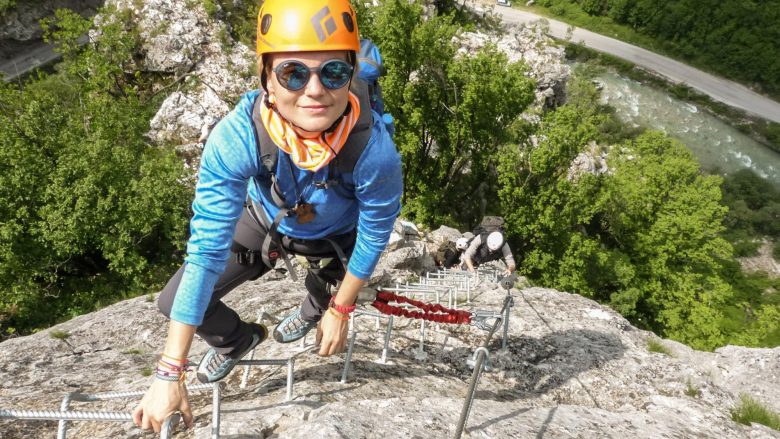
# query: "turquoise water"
716,145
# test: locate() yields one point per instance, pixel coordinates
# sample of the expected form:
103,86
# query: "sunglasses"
294,75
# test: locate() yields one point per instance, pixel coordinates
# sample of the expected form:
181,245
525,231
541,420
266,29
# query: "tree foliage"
737,38
452,110
90,212
754,211
644,237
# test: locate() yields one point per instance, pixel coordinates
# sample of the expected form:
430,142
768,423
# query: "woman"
302,200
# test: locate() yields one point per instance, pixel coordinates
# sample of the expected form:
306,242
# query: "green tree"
644,237
452,110
89,211
666,217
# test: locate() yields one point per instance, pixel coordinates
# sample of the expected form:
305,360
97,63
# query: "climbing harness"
267,181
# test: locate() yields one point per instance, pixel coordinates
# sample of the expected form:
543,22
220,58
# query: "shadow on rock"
538,365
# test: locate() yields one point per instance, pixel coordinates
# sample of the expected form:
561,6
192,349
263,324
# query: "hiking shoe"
215,366
292,328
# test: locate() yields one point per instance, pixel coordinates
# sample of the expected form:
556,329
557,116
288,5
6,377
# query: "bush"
746,248
90,213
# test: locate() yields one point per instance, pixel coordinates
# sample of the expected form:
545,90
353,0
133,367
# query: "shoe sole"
203,378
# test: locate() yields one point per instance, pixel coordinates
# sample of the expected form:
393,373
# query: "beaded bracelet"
344,309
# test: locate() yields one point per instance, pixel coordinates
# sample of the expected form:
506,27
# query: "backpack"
370,69
489,224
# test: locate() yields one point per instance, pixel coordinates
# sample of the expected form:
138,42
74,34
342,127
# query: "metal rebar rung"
54,415
85,397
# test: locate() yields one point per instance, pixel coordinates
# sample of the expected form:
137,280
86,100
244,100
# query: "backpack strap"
345,161
267,152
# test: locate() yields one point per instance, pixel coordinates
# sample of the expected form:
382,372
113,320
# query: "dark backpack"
489,224
370,69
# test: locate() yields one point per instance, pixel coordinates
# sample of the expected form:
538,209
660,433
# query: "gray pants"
222,328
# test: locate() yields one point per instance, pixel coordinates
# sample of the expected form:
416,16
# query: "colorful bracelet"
168,375
178,360
340,316
164,378
173,367
344,309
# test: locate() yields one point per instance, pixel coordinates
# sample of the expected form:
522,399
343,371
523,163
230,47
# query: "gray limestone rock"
571,368
180,38
591,161
442,235
546,60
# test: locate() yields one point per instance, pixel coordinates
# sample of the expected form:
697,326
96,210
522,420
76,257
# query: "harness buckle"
326,184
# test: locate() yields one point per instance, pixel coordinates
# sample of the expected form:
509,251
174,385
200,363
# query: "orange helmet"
306,26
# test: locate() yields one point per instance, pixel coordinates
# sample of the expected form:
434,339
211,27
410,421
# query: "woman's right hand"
161,400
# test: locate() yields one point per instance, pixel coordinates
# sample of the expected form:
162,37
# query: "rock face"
546,60
181,38
571,368
763,262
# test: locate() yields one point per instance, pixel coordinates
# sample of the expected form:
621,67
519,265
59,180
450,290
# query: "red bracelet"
344,309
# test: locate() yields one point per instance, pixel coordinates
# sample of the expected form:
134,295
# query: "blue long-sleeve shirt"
228,166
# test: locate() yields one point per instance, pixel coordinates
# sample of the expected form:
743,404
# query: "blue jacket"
228,166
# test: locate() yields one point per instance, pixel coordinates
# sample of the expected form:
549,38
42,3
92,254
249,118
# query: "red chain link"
429,310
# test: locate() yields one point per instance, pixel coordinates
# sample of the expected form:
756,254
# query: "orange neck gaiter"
315,153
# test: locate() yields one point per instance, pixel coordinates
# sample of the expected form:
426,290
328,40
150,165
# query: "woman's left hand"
332,334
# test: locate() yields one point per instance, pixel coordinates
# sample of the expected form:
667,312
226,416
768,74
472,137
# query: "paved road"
719,89
39,55
42,54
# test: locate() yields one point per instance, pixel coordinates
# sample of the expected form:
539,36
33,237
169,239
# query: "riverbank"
761,130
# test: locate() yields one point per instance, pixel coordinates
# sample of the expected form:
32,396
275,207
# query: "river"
715,144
